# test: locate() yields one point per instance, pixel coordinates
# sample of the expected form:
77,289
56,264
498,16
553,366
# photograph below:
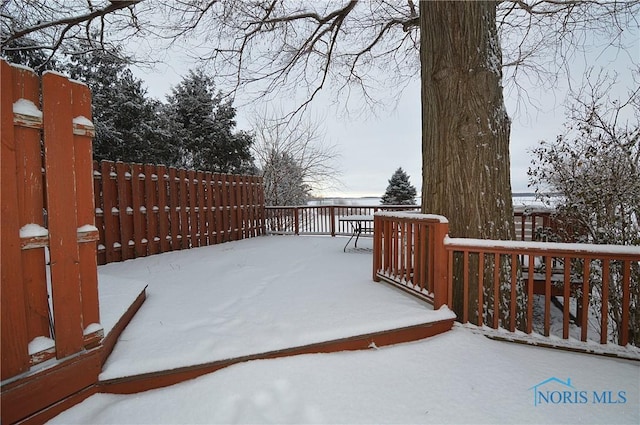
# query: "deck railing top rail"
413,215
550,248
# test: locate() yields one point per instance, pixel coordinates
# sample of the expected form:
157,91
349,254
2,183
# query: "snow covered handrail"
549,248
413,216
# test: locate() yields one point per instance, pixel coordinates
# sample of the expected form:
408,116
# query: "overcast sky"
373,146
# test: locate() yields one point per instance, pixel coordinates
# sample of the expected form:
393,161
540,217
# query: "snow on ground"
250,297
262,293
456,377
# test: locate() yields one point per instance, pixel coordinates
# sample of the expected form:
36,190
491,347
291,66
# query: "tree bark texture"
465,126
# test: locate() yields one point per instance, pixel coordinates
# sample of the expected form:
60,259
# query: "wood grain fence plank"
193,208
209,202
234,207
174,212
85,205
183,208
252,206
97,196
139,210
163,213
31,200
152,184
111,213
61,199
224,196
15,355
125,210
202,209
218,205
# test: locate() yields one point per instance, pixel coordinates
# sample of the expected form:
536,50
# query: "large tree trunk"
465,127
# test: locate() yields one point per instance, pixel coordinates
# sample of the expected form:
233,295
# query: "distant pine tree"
130,126
399,191
206,126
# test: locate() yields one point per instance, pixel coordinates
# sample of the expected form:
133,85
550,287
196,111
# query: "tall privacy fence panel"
149,209
46,167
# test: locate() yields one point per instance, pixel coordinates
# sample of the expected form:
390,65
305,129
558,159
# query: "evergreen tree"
399,191
129,126
16,51
205,127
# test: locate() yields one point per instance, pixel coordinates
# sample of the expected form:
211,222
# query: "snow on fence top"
579,248
413,215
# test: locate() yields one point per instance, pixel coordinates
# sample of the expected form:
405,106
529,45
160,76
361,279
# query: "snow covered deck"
271,296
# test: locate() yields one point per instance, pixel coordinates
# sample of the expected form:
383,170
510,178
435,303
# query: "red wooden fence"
499,283
56,111
147,209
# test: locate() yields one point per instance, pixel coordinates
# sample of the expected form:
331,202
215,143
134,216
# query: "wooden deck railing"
511,284
408,250
148,209
319,219
499,283
532,224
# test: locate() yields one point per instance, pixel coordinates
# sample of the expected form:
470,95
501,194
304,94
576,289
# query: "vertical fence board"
233,218
604,311
85,207
530,272
224,188
15,355
163,213
209,208
31,201
61,198
125,211
565,298
97,196
174,211
193,208
480,288
184,207
626,296
465,286
218,205
586,291
151,184
547,297
139,210
202,209
111,213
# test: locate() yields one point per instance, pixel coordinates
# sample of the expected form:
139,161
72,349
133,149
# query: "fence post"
441,278
26,86
377,245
